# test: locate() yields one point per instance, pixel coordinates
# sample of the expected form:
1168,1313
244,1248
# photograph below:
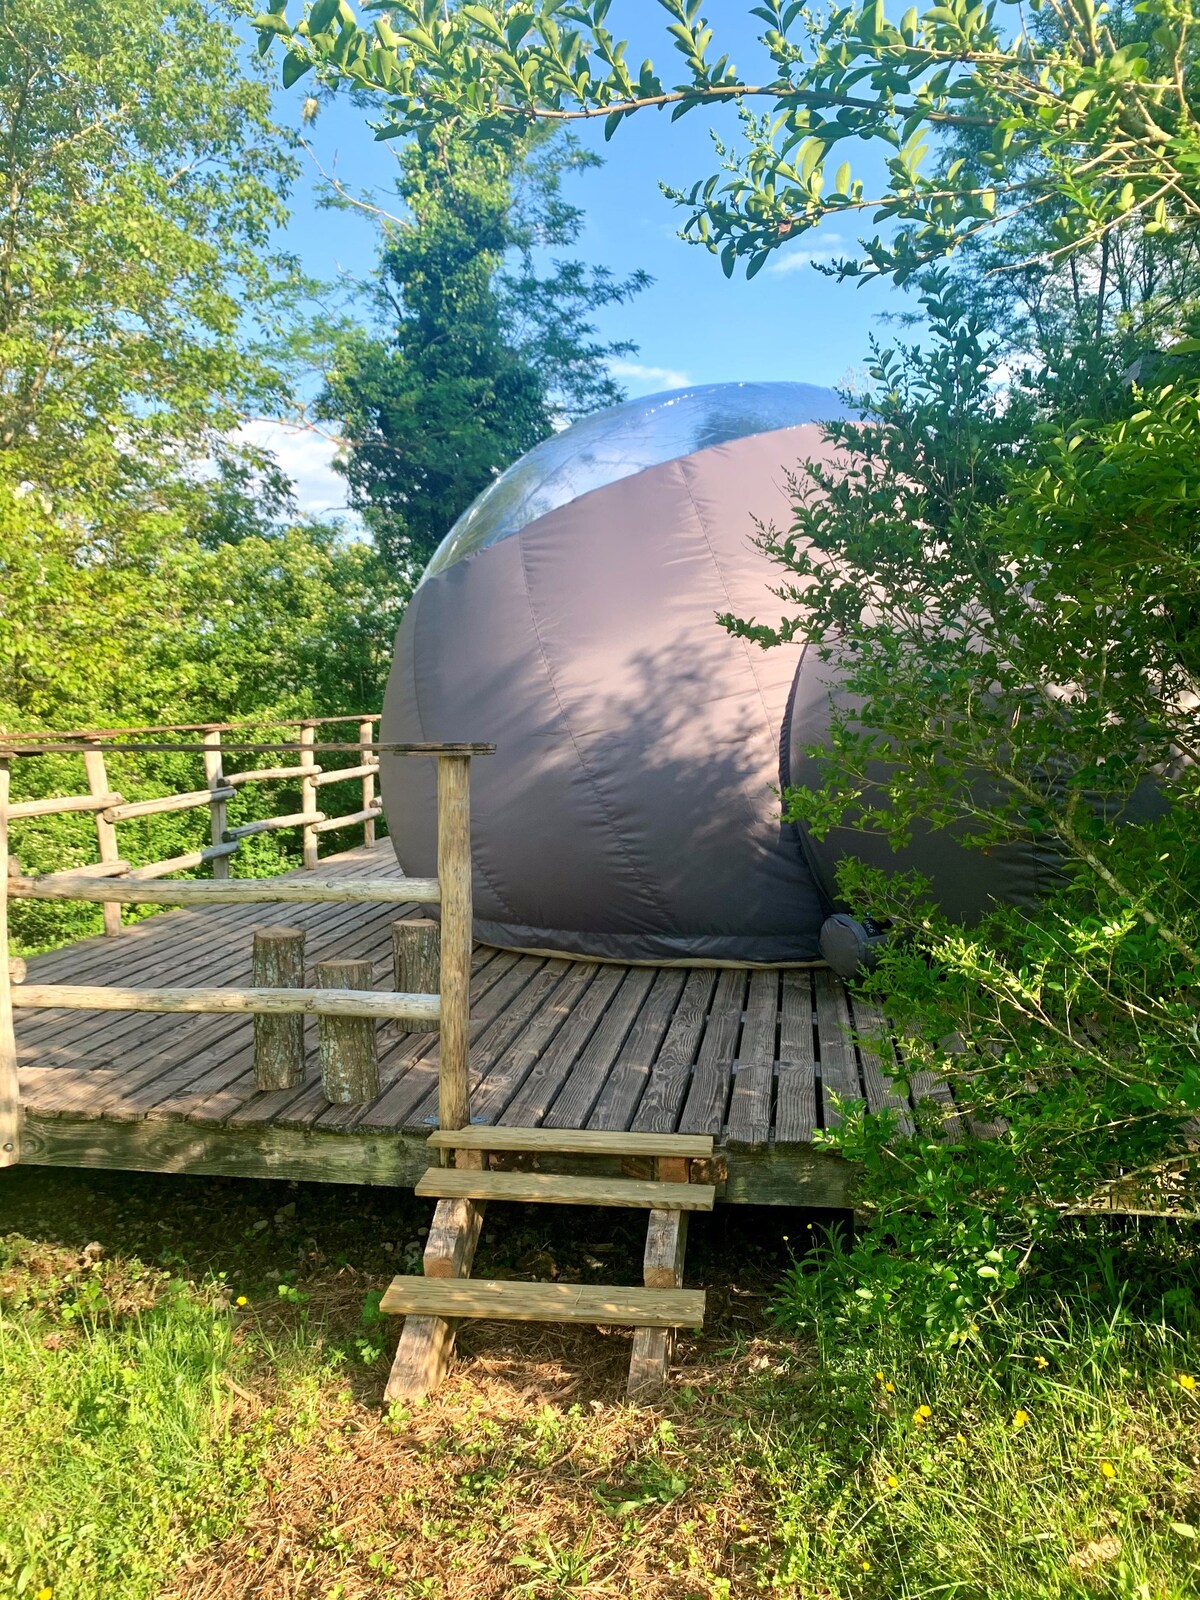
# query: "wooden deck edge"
793,1175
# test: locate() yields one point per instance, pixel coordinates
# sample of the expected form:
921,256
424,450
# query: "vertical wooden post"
278,1041
365,731
106,833
416,962
10,1094
214,776
308,794
349,1065
454,878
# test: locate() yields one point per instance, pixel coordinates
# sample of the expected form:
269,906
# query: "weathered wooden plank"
232,891
671,1073
761,1021
547,1188
579,1093
750,1104
426,1342
874,1034
546,1302
838,1066
531,1102
754,1077
627,1081
712,1078
573,1141
662,1268
391,1160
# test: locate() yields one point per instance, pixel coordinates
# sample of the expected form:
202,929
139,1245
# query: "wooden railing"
110,807
111,882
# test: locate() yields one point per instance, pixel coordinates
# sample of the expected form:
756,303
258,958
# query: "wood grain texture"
708,1093
669,1077
311,1002
540,1188
278,963
349,1061
454,876
662,1268
573,1141
417,960
10,1090
546,1302
286,890
426,1344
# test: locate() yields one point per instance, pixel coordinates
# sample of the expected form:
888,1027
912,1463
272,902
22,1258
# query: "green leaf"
294,68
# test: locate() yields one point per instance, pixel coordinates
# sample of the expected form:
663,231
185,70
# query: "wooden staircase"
434,1304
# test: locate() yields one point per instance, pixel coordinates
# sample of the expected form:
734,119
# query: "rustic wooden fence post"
10,1094
349,1065
366,733
308,793
454,878
214,775
278,1040
106,833
416,961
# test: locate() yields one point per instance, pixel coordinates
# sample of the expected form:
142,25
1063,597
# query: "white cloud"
829,247
647,380
307,459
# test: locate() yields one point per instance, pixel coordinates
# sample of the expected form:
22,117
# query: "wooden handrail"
110,808
449,1009
230,891
265,1002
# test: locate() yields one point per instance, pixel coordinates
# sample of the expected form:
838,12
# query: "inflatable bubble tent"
631,809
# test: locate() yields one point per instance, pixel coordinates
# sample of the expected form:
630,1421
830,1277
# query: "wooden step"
545,1302
573,1141
550,1189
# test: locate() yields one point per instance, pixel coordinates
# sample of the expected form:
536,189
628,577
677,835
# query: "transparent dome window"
625,439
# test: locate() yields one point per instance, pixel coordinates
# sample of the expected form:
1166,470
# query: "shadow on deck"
756,1058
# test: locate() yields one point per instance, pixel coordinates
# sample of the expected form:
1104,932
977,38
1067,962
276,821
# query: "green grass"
116,1454
160,1439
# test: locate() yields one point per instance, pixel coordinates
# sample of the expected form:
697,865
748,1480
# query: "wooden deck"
752,1057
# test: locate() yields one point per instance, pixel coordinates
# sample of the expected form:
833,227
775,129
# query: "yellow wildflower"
879,1377
889,1388
1020,1418
1041,1363
1107,1470
45,1594
242,1301
1186,1381
922,1415
892,1481
866,1566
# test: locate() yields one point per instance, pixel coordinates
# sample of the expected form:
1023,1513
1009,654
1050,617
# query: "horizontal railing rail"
110,807
111,882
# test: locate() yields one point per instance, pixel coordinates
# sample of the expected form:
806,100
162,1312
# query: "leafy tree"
1063,112
1007,600
480,354
152,570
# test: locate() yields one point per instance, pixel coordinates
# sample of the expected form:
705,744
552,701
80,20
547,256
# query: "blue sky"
693,325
